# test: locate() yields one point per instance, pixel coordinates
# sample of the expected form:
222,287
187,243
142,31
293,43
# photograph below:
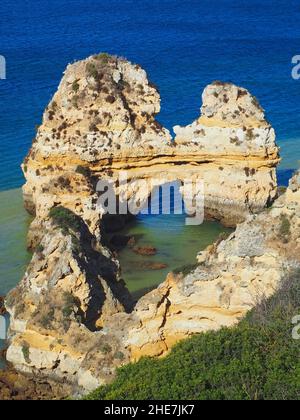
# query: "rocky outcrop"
71,289
15,386
103,112
232,276
102,120
71,316
232,128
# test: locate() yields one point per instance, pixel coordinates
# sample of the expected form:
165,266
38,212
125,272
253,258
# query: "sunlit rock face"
233,276
240,148
72,316
102,120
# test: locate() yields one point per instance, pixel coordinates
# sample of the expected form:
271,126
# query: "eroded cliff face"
233,276
102,120
72,317
232,128
49,333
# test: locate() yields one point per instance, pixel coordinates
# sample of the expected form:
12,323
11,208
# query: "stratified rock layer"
233,276
102,120
72,318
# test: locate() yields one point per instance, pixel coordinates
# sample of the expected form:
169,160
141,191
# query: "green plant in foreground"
256,360
103,57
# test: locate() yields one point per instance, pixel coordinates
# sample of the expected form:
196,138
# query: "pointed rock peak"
231,104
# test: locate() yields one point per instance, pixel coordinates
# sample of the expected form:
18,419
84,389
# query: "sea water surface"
14,222
176,243
183,45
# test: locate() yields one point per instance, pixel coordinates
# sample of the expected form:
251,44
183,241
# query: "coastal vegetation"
83,170
185,269
65,219
285,228
256,360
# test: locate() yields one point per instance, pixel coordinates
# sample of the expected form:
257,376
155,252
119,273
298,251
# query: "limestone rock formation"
233,130
102,120
71,315
70,290
103,111
233,276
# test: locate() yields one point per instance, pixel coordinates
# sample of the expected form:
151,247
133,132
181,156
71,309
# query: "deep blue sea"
184,45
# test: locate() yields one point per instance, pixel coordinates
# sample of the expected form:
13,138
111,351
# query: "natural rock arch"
102,121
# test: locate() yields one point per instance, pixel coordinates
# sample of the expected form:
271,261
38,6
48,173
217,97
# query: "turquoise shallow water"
14,223
177,245
14,258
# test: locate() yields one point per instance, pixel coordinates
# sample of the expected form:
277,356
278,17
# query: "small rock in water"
145,250
120,241
153,265
132,241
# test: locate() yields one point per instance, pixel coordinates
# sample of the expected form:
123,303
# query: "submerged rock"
145,250
152,265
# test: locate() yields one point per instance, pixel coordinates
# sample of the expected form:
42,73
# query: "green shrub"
26,353
47,319
103,57
83,170
285,227
39,249
185,269
119,355
75,86
105,348
65,219
76,245
74,101
69,304
256,360
222,237
91,70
